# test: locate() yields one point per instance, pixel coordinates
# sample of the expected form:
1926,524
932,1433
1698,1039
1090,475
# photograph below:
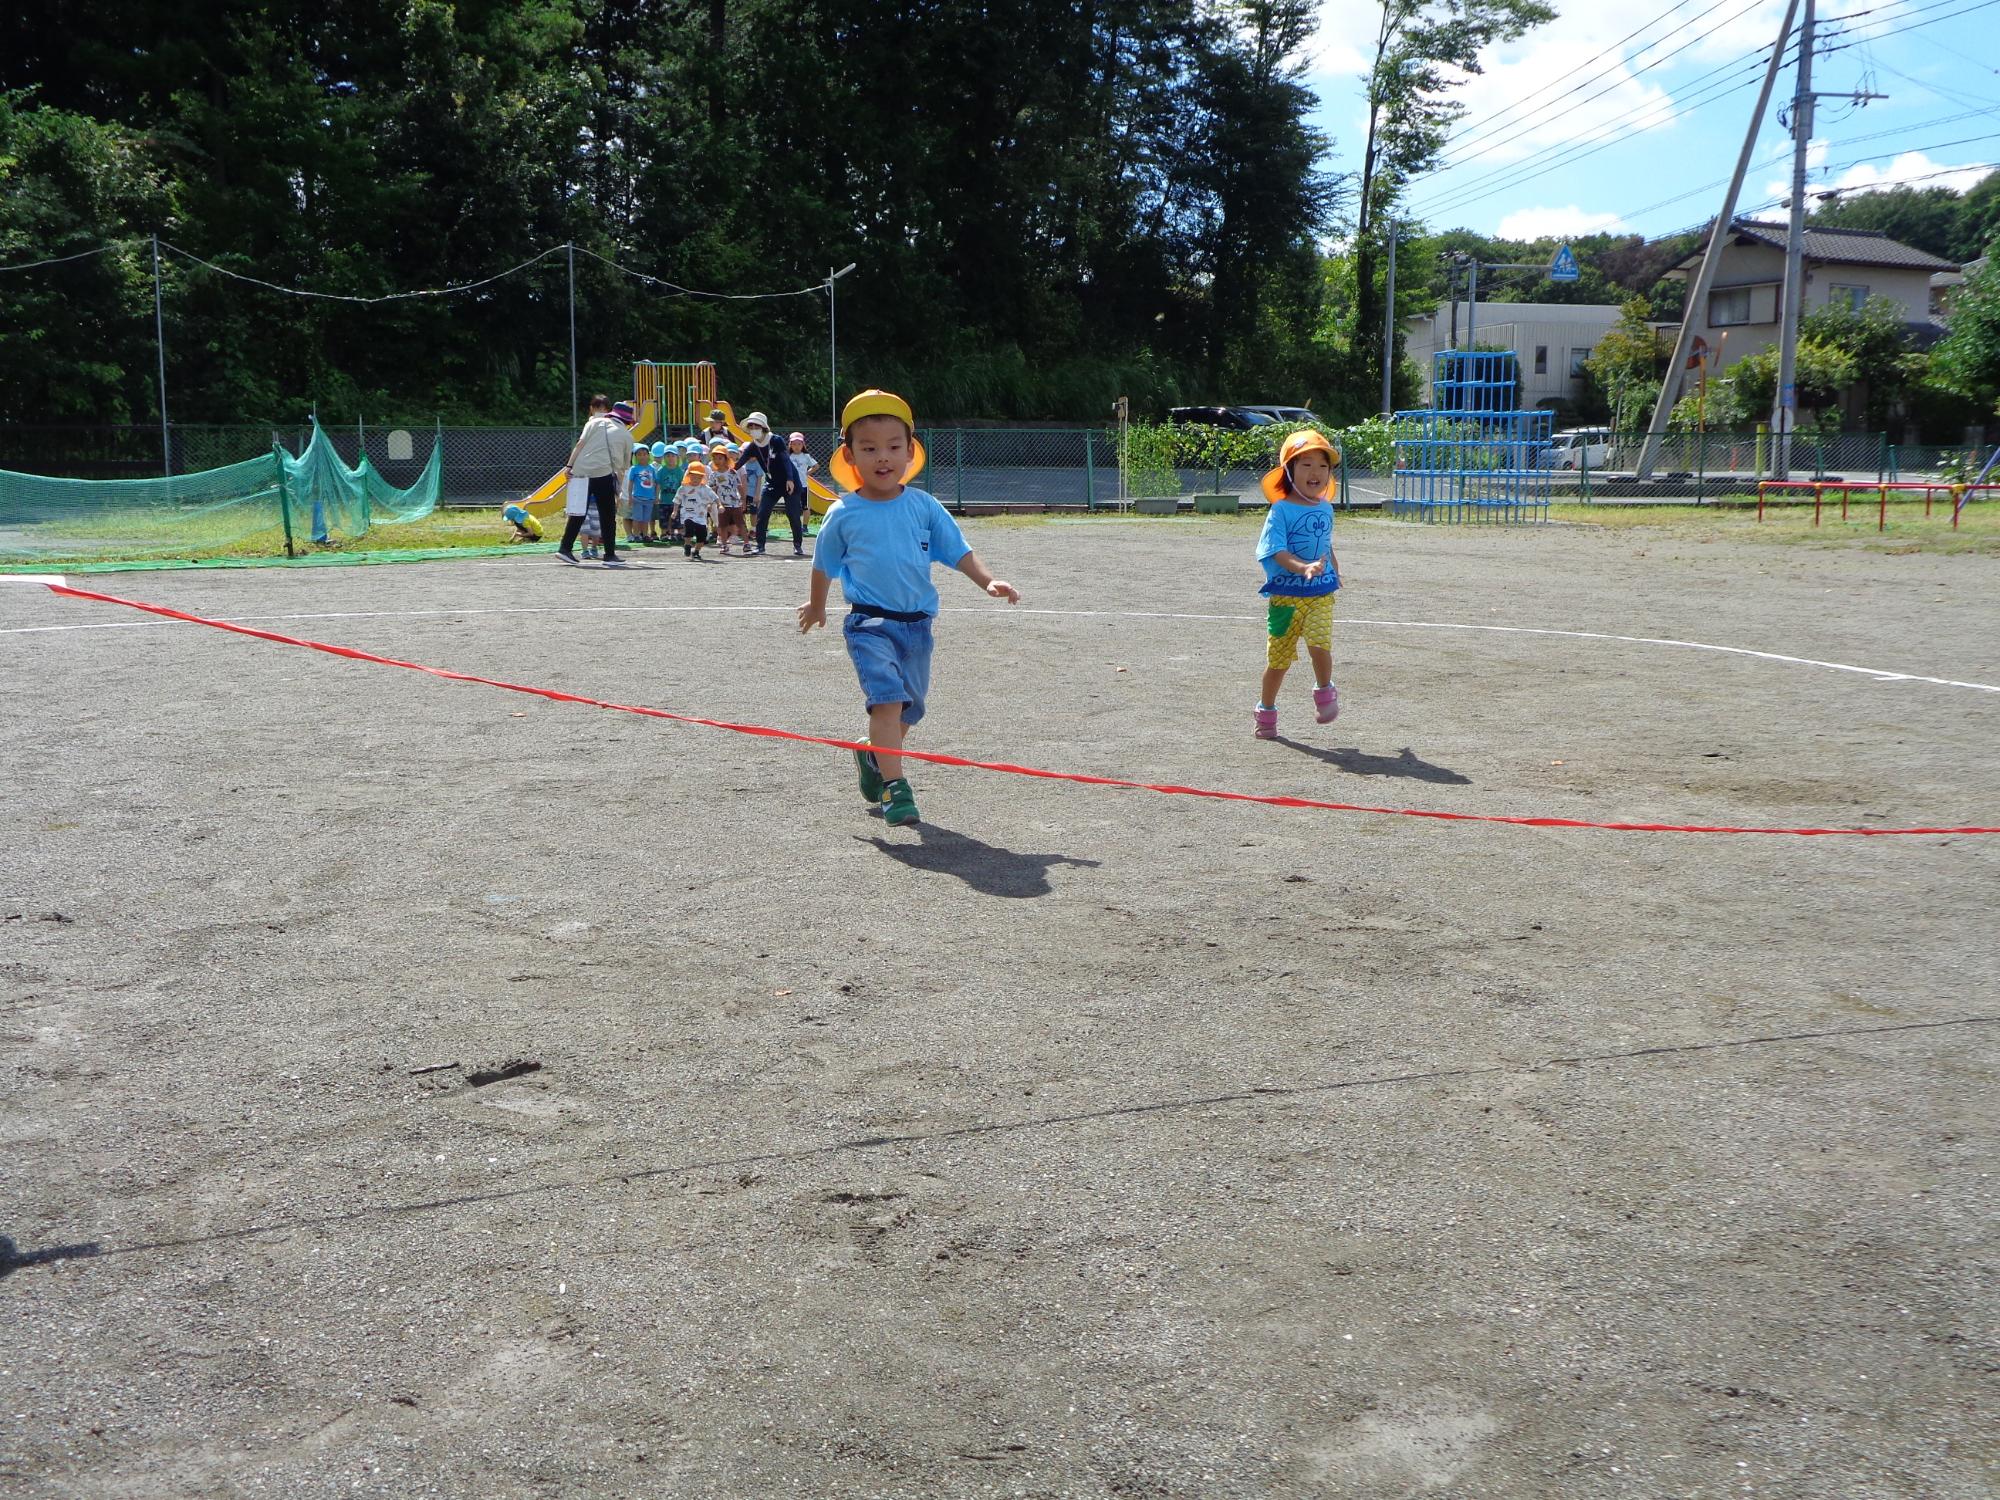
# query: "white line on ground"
32,578
1878,674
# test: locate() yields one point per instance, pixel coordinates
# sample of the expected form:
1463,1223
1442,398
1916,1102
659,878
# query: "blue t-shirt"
641,484
881,551
1305,531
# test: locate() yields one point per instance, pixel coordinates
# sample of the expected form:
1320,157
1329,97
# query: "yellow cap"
874,403
1306,440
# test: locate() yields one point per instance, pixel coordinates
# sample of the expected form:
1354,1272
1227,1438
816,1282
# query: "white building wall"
1550,339
1759,272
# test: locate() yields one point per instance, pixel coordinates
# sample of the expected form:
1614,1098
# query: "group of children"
694,492
881,539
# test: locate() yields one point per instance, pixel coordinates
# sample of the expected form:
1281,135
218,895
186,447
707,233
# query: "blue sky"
1588,125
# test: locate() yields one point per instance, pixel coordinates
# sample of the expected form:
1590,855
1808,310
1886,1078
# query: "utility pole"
1696,310
1785,410
160,342
574,410
832,349
1389,324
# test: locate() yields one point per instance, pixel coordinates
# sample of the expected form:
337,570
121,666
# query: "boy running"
881,542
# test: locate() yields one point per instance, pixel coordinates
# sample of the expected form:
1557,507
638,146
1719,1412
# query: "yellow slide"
552,494
818,496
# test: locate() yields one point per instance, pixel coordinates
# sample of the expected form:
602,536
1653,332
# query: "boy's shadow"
1404,763
987,868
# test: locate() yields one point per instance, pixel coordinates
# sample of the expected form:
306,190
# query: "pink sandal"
1267,723
1326,701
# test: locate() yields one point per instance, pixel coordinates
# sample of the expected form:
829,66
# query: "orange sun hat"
1306,440
694,473
874,403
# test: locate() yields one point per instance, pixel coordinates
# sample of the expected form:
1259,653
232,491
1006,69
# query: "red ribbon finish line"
761,731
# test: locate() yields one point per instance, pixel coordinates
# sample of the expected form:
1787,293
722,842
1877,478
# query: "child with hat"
727,483
643,488
695,505
881,541
667,465
1300,574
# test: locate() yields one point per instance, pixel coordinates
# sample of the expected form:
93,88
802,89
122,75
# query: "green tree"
1820,372
1923,217
1424,50
1627,365
1878,341
1968,360
68,185
1978,220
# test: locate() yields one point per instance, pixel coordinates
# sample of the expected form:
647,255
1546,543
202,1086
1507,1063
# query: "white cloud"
1911,164
1901,169
1513,108
1534,223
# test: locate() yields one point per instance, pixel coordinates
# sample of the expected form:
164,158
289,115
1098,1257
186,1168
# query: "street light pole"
160,343
1389,323
832,356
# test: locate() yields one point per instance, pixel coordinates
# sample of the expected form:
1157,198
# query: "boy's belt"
876,612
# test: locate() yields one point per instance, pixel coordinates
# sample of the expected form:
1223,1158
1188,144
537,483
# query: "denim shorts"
641,508
893,660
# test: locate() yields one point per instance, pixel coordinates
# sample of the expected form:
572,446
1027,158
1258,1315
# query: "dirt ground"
1083,1143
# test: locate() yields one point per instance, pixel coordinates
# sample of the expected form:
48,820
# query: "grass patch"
140,538
1791,524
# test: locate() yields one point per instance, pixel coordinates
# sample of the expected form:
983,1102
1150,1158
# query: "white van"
1578,448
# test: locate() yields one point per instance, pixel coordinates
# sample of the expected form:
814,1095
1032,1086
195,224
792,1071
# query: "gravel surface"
1082,1143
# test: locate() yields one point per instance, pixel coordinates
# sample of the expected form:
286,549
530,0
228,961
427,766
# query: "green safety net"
271,505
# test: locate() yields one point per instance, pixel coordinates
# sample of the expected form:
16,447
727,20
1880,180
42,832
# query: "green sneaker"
871,777
899,803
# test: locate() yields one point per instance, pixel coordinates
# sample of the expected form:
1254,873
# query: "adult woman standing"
600,455
768,451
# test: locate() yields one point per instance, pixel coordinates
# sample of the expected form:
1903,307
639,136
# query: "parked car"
1236,418
1578,448
1282,413
1239,418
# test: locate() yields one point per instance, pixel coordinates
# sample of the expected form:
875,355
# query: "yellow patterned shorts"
1294,619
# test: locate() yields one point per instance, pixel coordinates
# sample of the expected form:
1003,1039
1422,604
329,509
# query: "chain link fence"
1026,468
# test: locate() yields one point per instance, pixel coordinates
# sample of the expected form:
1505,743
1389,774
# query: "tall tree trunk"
1367,342
718,28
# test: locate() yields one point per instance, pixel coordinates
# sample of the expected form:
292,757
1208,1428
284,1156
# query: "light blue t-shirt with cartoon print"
881,551
1305,531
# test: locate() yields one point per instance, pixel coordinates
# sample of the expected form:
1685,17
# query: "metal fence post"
284,494
1089,470
958,465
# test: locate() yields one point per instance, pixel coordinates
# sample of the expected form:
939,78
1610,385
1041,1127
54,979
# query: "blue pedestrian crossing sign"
1564,267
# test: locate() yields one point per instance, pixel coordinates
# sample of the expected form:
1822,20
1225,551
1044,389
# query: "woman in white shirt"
600,455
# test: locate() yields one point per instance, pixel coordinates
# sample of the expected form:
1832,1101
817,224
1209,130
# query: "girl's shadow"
987,868
1403,763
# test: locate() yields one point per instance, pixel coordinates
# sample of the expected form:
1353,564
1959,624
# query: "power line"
451,290
1632,76
805,291
1579,147
1486,126
1773,161
443,291
1502,179
57,260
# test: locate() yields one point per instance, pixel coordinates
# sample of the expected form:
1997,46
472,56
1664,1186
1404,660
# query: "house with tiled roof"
1841,265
